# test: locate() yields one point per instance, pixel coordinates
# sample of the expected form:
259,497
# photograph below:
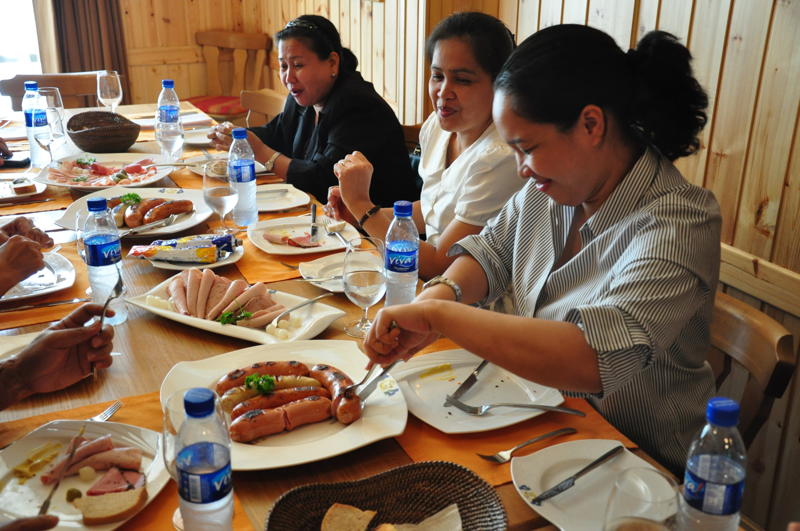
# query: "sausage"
277,398
177,295
237,394
111,202
345,409
177,206
260,422
192,289
135,213
276,368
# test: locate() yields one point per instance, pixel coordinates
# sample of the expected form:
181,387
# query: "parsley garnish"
85,161
130,199
262,383
233,316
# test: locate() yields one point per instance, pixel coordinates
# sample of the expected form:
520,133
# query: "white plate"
58,273
200,160
197,137
296,226
185,221
315,317
24,500
275,202
327,266
425,380
110,159
7,191
232,258
582,507
384,416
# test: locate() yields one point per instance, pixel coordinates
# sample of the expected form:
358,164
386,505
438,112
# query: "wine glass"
364,279
642,499
52,137
219,192
109,89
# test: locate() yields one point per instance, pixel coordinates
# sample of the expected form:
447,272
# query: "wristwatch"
439,279
271,162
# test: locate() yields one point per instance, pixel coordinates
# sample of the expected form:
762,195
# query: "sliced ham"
302,241
256,290
277,239
236,288
206,281
177,295
86,449
261,302
192,289
216,294
262,318
116,480
130,458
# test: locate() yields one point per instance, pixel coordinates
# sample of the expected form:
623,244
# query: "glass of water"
219,192
642,499
364,279
109,89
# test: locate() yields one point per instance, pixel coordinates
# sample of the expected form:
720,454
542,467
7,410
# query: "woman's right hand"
354,172
220,136
335,207
399,332
20,257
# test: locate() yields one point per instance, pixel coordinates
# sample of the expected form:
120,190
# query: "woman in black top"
332,111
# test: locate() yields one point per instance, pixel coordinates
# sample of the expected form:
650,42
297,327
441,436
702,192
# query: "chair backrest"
249,51
411,136
76,88
262,105
759,344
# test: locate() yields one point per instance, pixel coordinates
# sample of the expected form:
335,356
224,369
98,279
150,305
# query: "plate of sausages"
133,208
304,417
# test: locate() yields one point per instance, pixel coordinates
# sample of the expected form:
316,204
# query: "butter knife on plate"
42,305
570,481
466,384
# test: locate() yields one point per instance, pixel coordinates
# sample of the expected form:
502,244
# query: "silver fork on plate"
504,456
334,228
107,413
483,409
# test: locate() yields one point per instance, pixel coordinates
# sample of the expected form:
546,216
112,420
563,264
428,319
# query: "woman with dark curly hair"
612,256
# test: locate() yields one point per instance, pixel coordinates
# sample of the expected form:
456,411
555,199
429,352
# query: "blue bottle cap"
198,402
167,83
722,411
96,204
239,133
402,209
31,85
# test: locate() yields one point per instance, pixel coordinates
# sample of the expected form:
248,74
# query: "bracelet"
439,279
368,214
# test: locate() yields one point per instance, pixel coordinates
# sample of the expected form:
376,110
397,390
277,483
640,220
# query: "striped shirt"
641,288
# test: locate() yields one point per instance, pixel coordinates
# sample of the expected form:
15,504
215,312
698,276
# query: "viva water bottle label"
35,118
102,250
168,113
712,498
242,171
197,485
401,257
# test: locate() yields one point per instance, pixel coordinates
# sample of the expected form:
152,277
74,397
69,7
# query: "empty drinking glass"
109,89
642,499
219,191
364,279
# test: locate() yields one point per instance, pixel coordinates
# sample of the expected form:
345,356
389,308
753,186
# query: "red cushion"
218,104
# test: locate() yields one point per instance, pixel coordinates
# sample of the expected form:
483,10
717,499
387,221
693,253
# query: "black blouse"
355,117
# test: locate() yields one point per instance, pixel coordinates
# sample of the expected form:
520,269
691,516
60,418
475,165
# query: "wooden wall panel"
615,17
528,19
575,11
549,13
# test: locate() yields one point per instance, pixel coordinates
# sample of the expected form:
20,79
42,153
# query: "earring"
333,74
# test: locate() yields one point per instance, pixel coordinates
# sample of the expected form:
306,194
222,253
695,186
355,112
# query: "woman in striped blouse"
612,256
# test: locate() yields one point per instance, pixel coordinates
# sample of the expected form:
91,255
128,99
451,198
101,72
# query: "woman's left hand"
220,136
355,175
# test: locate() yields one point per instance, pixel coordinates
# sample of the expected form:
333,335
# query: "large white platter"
58,273
185,221
315,317
274,202
582,507
7,194
24,500
296,226
110,159
384,414
327,266
426,380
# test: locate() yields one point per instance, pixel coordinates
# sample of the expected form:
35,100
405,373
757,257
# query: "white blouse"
475,186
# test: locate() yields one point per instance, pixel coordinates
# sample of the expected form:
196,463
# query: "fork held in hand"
483,409
116,291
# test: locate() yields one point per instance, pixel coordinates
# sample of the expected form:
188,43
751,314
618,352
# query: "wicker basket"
407,494
102,132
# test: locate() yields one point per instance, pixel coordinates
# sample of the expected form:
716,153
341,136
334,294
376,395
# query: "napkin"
193,118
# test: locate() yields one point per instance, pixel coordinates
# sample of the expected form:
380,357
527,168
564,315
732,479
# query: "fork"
116,291
290,266
481,410
504,456
107,412
334,228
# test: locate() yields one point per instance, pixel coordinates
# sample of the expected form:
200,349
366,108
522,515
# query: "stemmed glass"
220,193
54,136
109,89
364,279
642,498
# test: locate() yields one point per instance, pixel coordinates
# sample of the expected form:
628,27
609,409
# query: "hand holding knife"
314,227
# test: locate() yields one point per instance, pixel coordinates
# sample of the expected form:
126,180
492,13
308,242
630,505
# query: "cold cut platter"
90,172
325,428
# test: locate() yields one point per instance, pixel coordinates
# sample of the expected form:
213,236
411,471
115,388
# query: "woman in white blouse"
611,255
468,172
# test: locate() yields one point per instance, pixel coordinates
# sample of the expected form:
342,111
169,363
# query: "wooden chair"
261,105
249,52
411,135
762,347
78,89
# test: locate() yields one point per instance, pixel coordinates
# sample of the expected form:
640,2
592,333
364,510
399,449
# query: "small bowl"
102,132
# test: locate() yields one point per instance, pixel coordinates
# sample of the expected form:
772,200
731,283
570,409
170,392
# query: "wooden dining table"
147,346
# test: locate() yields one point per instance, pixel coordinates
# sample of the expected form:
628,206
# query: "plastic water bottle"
103,256
169,131
713,484
242,171
203,463
35,122
402,253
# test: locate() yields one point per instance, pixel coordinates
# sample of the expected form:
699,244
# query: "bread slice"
342,517
112,507
23,186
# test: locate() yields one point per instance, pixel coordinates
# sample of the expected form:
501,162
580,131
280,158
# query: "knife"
364,393
15,203
570,481
468,383
314,228
42,305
